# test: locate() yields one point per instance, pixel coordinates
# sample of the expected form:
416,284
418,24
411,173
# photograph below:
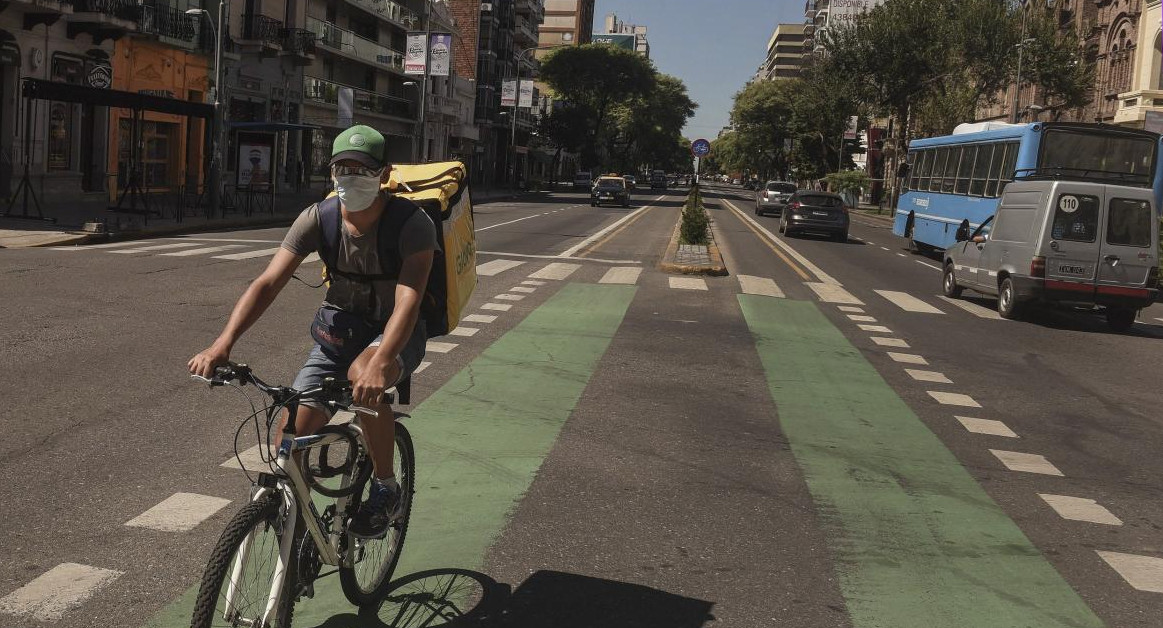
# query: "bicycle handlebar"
333,392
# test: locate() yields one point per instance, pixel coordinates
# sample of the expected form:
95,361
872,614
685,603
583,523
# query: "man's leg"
379,431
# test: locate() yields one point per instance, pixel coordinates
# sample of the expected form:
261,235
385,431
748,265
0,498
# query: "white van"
583,180
1071,242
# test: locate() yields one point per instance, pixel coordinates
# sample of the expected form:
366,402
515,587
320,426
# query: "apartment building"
567,23
634,35
785,53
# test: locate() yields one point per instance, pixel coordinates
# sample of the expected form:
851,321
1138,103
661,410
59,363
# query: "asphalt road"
640,461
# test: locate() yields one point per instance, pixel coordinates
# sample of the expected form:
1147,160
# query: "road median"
688,254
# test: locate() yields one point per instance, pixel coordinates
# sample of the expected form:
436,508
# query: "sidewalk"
65,224
876,213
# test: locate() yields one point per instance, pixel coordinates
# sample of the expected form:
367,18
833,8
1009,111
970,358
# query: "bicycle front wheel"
365,582
238,580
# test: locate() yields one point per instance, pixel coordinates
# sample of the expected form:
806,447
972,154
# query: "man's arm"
257,298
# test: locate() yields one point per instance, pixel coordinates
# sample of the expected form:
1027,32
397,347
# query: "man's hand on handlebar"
204,363
368,389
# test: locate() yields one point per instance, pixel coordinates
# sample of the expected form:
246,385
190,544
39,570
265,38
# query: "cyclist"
357,290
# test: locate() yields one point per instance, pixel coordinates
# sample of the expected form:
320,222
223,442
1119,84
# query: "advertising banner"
853,126
615,39
526,96
508,93
845,12
416,55
254,164
440,52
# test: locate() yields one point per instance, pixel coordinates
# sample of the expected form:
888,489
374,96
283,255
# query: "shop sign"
100,76
162,93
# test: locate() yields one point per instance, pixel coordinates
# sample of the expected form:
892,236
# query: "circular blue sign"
701,148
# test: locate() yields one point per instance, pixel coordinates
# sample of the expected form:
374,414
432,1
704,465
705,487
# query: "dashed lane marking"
1026,463
439,347
851,309
908,302
249,254
523,289
833,293
478,318
1144,573
56,591
180,512
901,255
890,342
621,275
972,308
885,248
463,331
107,245
986,426
421,367
953,399
1081,509
879,329
203,251
497,307
510,297
688,283
157,247
762,286
570,252
556,271
907,358
530,282
803,261
488,269
928,376
862,318
933,266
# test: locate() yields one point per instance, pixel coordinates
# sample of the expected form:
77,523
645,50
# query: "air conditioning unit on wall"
486,7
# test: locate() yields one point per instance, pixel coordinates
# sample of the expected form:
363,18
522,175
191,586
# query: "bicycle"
275,547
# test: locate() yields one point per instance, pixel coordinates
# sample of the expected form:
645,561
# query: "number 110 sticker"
1068,203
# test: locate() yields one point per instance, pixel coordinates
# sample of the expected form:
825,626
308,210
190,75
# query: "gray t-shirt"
360,254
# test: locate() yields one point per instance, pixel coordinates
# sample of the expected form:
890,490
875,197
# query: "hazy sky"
714,46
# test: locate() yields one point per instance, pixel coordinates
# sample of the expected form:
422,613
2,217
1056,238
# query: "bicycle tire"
364,591
263,512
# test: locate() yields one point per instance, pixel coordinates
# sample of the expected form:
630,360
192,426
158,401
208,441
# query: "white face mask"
357,193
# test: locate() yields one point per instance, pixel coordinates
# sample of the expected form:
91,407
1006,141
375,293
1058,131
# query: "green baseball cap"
360,143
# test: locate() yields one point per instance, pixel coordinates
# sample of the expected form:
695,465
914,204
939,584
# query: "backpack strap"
329,227
388,239
396,214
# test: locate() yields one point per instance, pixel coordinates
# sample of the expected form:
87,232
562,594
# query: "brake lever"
209,380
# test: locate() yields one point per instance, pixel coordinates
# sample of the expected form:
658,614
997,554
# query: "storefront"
172,146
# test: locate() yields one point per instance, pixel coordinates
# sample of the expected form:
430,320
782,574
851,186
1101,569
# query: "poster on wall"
440,52
254,163
416,55
508,93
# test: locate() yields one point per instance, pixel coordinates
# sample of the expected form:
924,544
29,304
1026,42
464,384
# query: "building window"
65,69
159,143
1157,62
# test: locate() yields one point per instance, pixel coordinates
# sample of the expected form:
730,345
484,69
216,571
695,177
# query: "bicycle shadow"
460,598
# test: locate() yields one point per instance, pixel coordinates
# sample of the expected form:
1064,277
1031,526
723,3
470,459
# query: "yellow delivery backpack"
441,191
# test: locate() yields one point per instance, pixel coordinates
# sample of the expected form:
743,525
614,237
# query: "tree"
594,78
651,125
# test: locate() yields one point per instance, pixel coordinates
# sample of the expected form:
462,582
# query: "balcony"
323,92
1133,106
260,33
167,23
535,9
299,44
386,9
45,12
103,19
348,44
524,34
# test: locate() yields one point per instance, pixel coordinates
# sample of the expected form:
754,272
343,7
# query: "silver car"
773,197
1076,243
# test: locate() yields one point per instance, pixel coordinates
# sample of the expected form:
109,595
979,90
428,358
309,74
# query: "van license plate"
1072,270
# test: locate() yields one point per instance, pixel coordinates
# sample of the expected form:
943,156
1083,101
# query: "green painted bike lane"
480,440
918,543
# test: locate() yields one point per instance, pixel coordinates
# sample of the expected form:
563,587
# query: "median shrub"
695,224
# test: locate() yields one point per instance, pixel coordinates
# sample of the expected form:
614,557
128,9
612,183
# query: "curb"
871,214
716,268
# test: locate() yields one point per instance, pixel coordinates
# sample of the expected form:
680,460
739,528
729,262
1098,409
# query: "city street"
817,439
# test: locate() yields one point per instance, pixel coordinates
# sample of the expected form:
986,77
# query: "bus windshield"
1113,157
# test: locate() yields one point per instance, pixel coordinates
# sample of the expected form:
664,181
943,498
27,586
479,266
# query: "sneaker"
378,511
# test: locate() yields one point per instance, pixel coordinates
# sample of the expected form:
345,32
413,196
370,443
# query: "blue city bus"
961,177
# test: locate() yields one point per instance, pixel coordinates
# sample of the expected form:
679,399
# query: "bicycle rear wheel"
232,597
365,582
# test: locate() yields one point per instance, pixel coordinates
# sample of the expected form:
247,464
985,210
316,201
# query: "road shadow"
1068,319
460,598
802,235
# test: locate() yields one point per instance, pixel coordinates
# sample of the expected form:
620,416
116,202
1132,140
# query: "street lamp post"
418,134
216,126
516,101
1021,46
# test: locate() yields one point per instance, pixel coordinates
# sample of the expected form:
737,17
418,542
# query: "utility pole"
424,79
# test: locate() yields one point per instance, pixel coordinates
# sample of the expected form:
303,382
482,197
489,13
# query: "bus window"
926,161
939,169
995,165
951,169
981,170
910,177
1009,165
965,171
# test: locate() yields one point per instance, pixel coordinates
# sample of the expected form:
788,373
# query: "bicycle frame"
296,495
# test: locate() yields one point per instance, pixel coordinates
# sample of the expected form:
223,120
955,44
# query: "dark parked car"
658,180
610,190
817,212
773,196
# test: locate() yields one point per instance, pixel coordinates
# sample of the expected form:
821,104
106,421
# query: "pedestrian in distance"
368,329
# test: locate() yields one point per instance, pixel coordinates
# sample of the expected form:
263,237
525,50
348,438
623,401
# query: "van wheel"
1120,318
1007,300
949,283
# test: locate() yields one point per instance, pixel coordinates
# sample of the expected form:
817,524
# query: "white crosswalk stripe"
498,307
464,331
621,275
157,247
180,512
688,283
972,308
762,286
203,251
523,289
249,254
497,266
440,347
556,271
832,293
57,591
908,302
509,297
1144,573
1026,463
478,318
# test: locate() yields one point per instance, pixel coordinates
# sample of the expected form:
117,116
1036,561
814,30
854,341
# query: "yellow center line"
762,238
596,245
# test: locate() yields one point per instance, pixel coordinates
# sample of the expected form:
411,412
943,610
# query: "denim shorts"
321,365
